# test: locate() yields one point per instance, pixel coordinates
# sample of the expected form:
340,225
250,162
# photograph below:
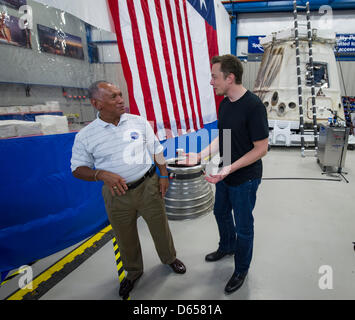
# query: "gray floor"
300,226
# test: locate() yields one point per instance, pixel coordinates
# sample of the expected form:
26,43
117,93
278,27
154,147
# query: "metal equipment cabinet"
333,143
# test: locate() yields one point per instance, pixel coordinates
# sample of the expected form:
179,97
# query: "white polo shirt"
125,149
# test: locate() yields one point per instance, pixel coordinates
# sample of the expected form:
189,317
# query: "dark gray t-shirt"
247,119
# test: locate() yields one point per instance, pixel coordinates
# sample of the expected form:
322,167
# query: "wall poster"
60,43
14,3
11,33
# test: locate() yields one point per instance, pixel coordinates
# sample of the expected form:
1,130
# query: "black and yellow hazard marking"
120,270
55,273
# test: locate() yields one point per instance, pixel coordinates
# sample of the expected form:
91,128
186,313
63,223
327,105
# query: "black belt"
135,184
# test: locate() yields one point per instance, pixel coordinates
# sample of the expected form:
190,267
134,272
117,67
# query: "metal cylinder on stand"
189,195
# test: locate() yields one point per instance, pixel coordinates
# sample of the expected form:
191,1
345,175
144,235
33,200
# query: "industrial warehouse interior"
298,57
300,229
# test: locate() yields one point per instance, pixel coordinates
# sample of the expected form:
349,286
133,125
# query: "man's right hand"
115,182
192,159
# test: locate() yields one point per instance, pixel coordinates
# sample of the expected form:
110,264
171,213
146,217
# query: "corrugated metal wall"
346,71
250,73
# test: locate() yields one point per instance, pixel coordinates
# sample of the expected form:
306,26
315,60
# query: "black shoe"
126,287
178,266
217,255
235,282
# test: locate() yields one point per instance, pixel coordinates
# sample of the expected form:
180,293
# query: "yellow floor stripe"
59,265
11,276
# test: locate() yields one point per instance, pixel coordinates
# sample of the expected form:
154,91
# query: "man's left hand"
164,185
215,178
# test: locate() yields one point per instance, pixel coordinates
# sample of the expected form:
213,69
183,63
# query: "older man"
120,149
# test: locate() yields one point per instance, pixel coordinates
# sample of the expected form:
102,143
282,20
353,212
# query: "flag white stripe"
202,64
189,59
159,48
173,66
182,65
149,69
128,41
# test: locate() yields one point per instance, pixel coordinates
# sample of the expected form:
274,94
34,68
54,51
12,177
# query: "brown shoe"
178,266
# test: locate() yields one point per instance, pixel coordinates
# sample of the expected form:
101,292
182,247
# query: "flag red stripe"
169,71
156,68
197,93
185,59
177,63
113,5
142,70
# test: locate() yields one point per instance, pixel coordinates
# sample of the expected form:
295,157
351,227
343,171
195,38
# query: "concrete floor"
300,226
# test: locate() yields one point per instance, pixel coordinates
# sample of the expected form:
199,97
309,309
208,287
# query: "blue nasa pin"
134,135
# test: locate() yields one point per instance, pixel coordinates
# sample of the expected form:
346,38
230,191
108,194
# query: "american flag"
166,47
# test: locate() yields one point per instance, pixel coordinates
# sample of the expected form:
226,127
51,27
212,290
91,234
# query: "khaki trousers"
122,212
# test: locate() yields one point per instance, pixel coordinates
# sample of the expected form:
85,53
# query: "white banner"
94,12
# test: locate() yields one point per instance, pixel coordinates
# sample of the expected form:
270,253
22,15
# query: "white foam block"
38,108
53,124
27,128
18,128
53,106
7,129
3,110
13,110
24,109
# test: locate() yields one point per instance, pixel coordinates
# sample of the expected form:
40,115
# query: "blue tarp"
43,208
28,116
